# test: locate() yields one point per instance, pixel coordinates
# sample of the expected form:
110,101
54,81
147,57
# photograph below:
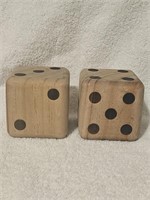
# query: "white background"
75,34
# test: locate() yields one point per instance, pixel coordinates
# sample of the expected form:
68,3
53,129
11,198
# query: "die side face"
37,103
110,105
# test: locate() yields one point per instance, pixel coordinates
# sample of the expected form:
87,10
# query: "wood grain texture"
27,100
112,85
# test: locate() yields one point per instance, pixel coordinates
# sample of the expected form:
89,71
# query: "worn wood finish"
113,112
38,102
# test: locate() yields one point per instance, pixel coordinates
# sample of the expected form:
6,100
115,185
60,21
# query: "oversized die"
110,104
38,102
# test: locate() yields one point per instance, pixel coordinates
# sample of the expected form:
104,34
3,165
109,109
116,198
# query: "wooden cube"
38,102
110,104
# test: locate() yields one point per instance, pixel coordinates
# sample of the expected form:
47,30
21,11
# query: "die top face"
38,102
40,74
110,106
111,75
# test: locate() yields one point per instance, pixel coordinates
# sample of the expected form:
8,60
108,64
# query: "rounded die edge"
138,85
60,70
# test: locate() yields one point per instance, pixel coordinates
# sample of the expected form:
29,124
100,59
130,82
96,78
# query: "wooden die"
110,104
38,102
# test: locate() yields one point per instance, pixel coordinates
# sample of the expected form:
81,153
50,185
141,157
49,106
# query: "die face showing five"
38,102
110,103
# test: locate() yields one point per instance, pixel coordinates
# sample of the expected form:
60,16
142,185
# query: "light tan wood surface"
113,111
38,102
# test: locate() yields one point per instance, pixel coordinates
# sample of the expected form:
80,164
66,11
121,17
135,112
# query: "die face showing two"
38,102
110,104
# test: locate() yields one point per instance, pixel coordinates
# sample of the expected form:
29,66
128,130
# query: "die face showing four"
38,102
110,104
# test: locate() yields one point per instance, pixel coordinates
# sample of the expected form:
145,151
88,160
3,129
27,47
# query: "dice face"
38,102
110,104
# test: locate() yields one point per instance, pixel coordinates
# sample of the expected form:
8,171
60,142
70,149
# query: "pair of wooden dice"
110,103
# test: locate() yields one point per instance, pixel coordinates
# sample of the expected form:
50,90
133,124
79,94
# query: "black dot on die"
53,94
93,70
126,129
128,79
123,71
110,113
95,97
95,77
93,128
20,74
128,98
38,71
20,124
55,68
